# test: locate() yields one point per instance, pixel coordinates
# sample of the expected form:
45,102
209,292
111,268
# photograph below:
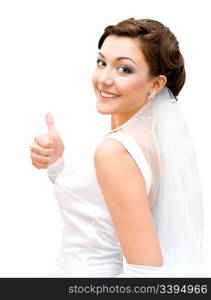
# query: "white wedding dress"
90,245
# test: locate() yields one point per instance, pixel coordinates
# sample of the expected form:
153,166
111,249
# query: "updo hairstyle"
159,46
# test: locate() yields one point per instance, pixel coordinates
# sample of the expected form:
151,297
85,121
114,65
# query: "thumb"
50,122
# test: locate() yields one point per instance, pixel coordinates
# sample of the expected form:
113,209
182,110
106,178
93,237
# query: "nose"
105,78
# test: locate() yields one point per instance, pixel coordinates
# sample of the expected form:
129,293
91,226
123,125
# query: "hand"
47,148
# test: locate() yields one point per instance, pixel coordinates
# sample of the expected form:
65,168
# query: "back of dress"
163,150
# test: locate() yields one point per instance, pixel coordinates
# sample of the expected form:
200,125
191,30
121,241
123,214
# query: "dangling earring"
151,96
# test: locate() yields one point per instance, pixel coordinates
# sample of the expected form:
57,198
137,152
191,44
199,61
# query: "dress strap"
137,154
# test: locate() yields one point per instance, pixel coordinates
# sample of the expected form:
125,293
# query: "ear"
158,83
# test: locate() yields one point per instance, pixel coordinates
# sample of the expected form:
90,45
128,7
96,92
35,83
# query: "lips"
108,93
108,97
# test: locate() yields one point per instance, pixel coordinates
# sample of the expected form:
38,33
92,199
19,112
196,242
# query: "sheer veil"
161,132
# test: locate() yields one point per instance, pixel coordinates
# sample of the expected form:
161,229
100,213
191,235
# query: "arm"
124,191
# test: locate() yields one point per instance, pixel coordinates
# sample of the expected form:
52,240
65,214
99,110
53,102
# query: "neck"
119,119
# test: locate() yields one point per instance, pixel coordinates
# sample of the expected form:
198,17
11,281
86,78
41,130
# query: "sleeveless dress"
90,245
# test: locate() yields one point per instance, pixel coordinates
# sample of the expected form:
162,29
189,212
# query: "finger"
44,141
39,165
41,151
50,122
40,158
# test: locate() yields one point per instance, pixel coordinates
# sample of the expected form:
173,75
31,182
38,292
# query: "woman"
138,195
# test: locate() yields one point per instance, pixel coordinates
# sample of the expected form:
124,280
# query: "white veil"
175,195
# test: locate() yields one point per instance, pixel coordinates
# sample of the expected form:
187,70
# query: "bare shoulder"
113,162
109,148
112,154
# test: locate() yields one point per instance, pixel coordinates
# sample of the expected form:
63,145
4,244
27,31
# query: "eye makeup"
126,69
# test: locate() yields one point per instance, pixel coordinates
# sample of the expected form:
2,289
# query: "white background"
47,54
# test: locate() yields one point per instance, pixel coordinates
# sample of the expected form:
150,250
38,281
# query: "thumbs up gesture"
47,148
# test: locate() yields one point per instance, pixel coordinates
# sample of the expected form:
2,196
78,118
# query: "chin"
103,110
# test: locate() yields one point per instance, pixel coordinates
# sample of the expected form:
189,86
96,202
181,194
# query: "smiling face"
121,70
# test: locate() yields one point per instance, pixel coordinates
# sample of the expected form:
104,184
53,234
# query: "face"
121,78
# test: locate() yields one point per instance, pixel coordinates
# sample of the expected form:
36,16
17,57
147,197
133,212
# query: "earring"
173,100
151,96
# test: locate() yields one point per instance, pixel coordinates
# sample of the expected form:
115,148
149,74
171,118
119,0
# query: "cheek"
94,78
132,86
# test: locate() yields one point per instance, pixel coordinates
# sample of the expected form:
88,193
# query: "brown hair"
159,46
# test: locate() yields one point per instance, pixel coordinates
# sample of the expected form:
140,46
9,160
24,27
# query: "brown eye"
99,61
125,69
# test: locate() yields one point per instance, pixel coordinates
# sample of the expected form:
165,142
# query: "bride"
138,195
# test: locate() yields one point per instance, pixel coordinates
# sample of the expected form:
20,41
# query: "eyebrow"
119,58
